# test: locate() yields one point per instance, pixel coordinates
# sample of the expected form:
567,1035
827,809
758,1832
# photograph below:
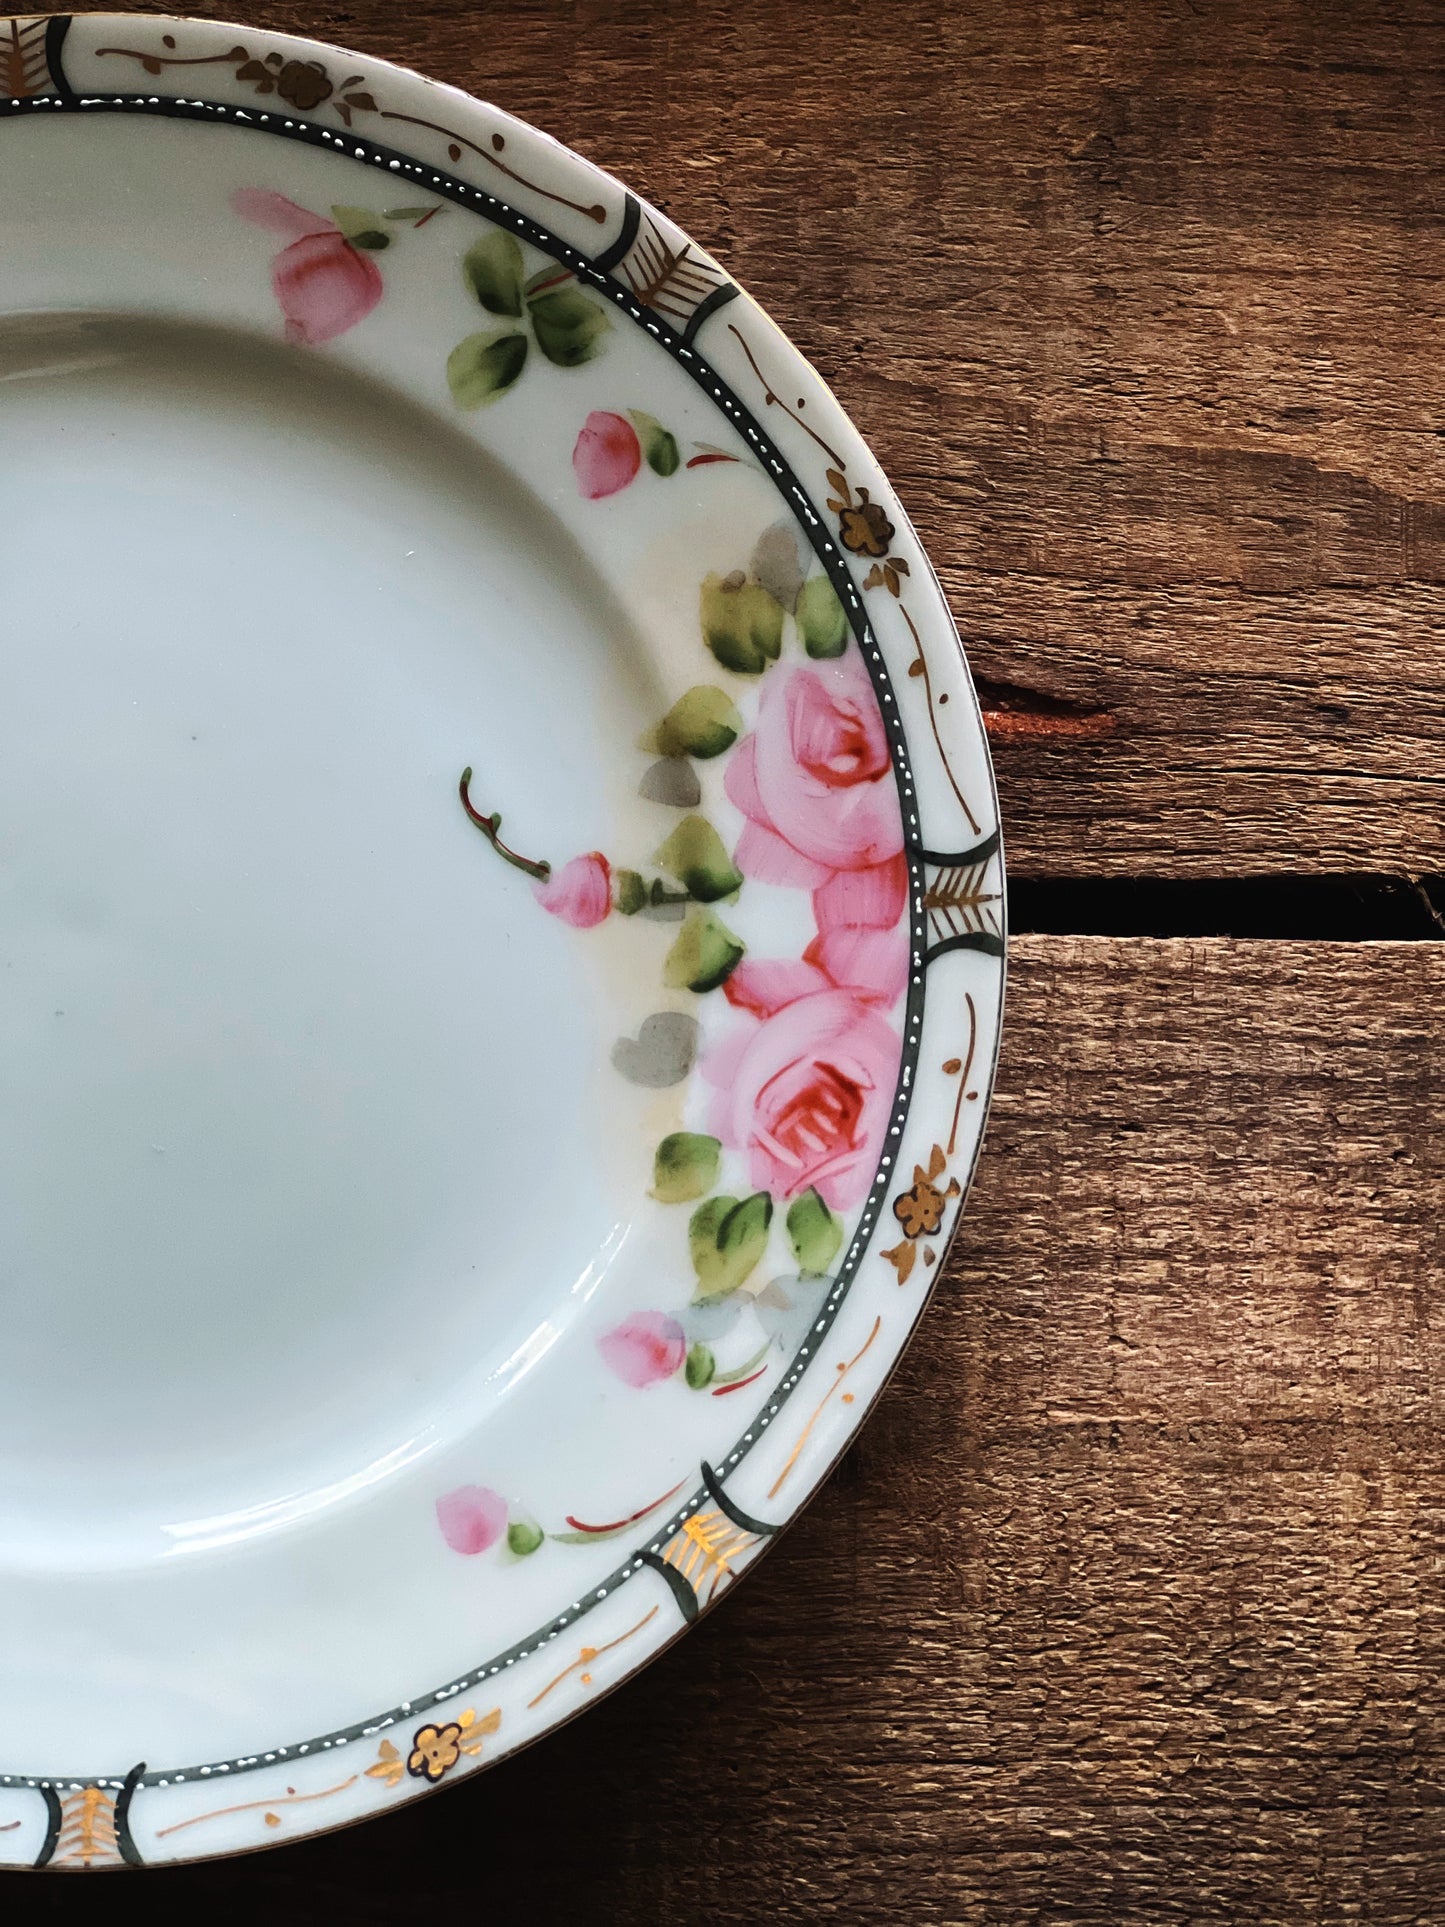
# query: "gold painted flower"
304,84
865,529
862,526
920,1209
435,1751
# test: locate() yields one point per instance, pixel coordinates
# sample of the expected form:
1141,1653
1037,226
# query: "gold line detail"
843,1370
590,1653
256,1806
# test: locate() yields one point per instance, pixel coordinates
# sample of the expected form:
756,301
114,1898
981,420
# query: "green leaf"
658,445
746,1369
362,227
699,1367
704,954
727,1238
821,621
741,623
685,1167
409,213
522,1537
702,723
569,327
815,1233
493,267
483,367
631,892
695,855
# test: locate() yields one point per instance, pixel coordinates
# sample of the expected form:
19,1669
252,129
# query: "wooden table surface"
1127,1606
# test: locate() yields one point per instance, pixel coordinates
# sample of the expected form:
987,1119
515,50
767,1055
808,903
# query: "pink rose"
815,779
472,1518
862,940
607,456
580,893
873,964
861,945
644,1349
806,1095
324,285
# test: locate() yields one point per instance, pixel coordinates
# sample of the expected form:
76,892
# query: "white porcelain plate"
502,938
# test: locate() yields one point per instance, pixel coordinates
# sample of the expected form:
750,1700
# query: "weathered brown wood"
1127,1606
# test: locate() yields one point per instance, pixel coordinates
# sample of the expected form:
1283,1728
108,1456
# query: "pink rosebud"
607,456
324,286
580,893
472,1518
281,216
644,1349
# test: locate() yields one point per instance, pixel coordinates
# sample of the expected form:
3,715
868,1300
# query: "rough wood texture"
1127,1606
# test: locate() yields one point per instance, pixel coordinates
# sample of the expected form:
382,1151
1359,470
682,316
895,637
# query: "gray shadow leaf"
673,781
661,1054
777,564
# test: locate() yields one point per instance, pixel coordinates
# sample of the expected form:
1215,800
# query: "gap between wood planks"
1359,908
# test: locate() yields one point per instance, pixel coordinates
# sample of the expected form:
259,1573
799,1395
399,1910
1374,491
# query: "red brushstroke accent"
723,1390
552,281
631,1520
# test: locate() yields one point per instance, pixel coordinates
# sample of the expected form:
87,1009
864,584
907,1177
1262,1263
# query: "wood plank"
1141,308
1126,1607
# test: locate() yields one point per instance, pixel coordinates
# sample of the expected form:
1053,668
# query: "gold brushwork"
920,1209
705,1550
308,85
588,1654
24,65
87,1829
842,1370
272,1818
435,1748
671,281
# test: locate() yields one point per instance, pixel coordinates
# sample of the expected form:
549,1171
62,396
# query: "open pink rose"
644,1349
607,456
472,1518
580,893
815,780
806,1095
324,285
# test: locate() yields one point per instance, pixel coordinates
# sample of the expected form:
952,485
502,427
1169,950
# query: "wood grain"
1127,1606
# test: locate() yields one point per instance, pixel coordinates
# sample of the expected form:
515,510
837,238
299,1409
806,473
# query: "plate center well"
289,1061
